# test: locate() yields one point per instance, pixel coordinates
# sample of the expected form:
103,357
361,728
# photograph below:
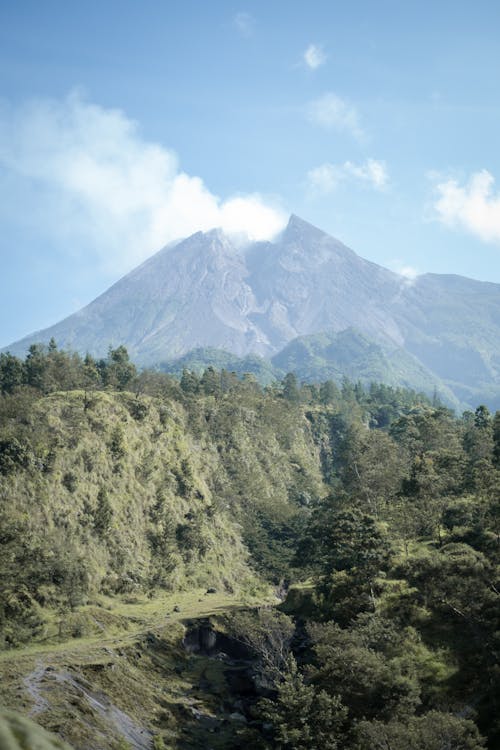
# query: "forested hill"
380,507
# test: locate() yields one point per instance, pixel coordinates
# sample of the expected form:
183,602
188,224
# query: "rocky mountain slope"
206,292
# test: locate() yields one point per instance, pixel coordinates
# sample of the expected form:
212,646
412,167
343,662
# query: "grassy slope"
132,681
120,644
156,462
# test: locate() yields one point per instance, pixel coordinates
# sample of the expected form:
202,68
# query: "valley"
147,523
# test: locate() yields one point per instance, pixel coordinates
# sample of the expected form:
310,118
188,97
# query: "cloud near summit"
93,181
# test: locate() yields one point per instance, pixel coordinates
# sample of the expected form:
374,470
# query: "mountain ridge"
207,291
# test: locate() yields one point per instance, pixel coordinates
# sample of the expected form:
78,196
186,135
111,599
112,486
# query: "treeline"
46,369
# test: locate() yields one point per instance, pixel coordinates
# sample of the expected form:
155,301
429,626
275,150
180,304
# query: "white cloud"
333,113
327,177
372,171
473,206
245,23
314,56
410,273
94,184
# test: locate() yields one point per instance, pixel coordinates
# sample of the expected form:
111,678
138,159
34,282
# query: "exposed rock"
200,638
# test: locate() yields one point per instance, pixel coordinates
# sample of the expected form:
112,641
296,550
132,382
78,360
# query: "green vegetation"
198,360
126,497
329,356
349,353
19,733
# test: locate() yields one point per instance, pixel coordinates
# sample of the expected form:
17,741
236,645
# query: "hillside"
332,356
197,360
325,356
116,493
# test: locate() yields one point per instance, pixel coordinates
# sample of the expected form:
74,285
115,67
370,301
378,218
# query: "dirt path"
32,684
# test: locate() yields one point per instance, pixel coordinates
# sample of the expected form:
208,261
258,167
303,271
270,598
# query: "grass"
135,617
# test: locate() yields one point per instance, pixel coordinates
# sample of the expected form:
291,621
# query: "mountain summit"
206,291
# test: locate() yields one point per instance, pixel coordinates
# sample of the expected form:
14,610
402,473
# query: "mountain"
207,292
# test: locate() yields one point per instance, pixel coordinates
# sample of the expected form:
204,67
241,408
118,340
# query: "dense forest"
376,508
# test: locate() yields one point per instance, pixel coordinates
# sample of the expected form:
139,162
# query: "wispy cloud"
410,273
474,206
327,177
334,113
95,184
244,23
314,56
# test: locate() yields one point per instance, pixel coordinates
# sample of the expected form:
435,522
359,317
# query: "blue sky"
124,125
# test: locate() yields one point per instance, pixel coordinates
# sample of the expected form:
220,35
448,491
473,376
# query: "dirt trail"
32,684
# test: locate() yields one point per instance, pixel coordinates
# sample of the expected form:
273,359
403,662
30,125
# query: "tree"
433,731
479,444
268,633
328,392
11,372
457,584
482,417
496,439
290,388
338,539
90,378
36,368
117,443
302,717
119,371
103,513
190,383
211,382
371,683
368,463
346,549
14,455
